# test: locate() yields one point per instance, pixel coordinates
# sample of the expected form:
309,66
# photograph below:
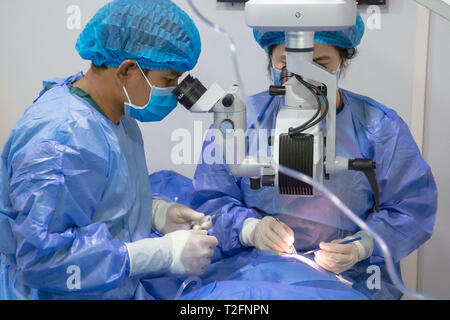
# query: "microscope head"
300,15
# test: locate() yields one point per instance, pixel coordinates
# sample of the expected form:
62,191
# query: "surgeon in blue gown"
76,209
365,129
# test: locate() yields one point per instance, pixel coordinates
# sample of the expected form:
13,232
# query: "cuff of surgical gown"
365,245
246,234
159,211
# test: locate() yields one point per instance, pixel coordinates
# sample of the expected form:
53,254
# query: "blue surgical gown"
365,129
74,187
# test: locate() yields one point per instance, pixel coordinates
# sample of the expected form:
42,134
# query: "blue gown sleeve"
408,193
217,191
55,189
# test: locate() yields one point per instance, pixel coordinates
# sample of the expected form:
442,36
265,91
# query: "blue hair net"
155,33
348,38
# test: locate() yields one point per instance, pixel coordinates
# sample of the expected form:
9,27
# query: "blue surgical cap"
348,38
155,33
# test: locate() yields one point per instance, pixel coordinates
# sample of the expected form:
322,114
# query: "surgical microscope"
309,92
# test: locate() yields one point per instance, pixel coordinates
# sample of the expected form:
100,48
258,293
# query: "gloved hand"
196,254
338,258
180,252
170,217
268,234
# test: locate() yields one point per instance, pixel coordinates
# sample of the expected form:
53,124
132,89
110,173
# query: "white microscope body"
299,19
299,139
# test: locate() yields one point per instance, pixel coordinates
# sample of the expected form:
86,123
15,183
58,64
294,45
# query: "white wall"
385,61
39,46
384,68
36,46
434,260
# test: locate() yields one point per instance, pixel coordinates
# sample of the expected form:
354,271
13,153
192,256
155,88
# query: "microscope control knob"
277,91
226,126
268,181
255,183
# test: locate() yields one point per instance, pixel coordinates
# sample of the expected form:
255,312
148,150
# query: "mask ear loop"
145,77
150,95
126,93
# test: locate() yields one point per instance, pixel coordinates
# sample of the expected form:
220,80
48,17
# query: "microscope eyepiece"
189,91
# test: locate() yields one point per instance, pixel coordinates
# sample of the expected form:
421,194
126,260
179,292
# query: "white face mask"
337,74
276,74
161,102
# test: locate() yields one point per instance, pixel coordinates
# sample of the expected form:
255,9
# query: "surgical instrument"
343,242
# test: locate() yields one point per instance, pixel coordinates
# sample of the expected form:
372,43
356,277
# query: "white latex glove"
268,234
196,254
338,258
180,252
170,217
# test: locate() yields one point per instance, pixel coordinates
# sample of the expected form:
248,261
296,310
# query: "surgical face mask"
337,74
160,103
276,74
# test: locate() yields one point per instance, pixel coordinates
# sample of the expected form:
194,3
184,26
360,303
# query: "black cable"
324,115
308,122
315,92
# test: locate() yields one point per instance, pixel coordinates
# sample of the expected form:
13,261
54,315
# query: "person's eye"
171,81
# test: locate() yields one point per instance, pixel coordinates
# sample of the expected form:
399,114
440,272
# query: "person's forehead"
169,72
172,72
280,49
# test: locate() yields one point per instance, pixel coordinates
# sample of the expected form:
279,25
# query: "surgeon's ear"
126,71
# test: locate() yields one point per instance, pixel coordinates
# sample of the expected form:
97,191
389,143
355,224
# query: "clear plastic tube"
187,282
300,176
